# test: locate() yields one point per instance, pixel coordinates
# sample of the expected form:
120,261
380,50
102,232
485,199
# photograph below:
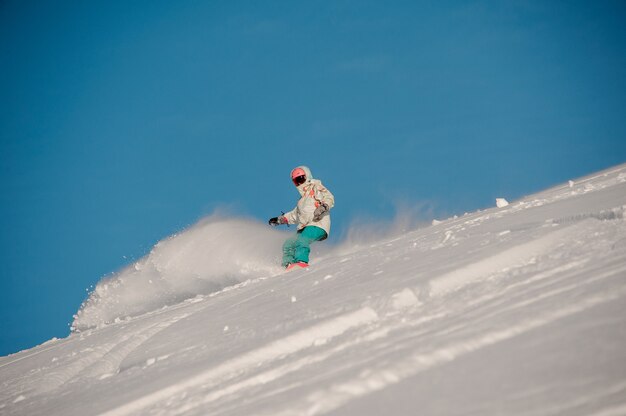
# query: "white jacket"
312,193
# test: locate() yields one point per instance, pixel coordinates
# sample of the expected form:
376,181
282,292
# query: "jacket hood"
309,177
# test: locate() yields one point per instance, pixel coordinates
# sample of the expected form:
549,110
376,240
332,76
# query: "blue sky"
124,122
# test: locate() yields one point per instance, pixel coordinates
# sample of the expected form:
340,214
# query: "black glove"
320,212
277,221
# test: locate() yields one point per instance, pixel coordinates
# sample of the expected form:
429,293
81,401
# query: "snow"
212,255
517,310
501,202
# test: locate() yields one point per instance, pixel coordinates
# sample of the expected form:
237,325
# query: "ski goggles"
299,180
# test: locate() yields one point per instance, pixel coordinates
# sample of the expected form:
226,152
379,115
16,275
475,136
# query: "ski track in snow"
365,319
288,345
371,380
104,360
516,255
368,381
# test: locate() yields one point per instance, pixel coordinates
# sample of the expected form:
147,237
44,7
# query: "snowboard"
297,266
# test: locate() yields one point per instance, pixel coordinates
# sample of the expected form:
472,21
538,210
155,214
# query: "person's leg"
289,250
304,240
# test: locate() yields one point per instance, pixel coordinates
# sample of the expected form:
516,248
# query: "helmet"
297,172
300,175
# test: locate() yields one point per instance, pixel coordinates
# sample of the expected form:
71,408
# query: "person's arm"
291,217
325,201
288,218
326,197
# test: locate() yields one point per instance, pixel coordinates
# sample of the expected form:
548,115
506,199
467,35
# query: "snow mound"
209,256
212,255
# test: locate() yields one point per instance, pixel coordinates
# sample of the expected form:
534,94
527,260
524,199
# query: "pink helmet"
300,175
297,172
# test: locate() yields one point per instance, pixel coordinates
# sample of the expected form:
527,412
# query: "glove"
320,212
277,221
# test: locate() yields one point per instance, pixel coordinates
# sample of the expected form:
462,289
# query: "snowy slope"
517,310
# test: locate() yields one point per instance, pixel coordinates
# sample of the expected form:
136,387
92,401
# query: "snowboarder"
312,214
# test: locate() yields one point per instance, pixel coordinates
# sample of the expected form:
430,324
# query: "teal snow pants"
297,248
